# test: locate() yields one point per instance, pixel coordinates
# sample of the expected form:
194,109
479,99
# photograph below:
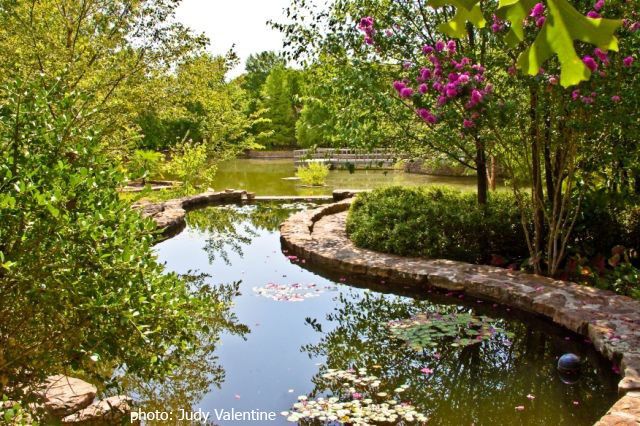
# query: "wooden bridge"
379,158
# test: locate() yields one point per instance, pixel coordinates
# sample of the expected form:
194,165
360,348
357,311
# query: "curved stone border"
169,216
610,321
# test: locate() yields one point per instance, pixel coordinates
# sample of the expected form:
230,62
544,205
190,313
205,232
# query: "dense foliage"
315,173
437,223
81,287
445,223
458,78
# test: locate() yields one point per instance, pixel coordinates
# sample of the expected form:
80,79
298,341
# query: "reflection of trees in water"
228,228
195,375
480,384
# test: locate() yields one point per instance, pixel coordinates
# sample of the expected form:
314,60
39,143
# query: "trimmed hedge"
437,222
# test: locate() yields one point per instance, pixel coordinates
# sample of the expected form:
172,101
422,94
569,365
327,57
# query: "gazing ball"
569,368
569,363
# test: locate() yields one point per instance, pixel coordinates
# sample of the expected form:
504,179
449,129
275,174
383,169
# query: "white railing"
336,157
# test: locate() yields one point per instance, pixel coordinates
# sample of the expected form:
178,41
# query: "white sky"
243,22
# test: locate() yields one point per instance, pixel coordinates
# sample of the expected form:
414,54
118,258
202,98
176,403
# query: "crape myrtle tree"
512,78
398,30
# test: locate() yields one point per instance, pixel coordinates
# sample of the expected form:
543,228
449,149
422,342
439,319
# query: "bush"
437,222
314,174
190,164
606,220
81,286
144,164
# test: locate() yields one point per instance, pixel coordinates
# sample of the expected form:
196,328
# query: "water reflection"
269,177
291,344
198,374
480,384
229,228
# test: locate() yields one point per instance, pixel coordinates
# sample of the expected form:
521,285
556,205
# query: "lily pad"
432,328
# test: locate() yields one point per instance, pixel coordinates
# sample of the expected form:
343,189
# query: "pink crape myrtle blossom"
628,61
366,25
590,63
445,80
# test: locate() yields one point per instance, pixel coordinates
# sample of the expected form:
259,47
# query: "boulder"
108,411
63,395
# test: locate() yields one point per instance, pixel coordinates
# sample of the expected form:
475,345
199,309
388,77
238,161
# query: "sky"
243,22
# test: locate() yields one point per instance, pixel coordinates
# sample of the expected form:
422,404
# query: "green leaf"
563,26
466,11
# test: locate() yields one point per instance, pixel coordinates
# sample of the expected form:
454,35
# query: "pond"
301,323
267,177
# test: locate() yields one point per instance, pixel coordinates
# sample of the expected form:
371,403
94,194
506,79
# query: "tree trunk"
481,172
548,168
536,180
492,172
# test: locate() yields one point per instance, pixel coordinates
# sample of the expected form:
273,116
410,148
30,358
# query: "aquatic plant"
429,328
361,403
292,293
313,174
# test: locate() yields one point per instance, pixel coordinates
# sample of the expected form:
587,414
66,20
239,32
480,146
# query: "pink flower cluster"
586,99
631,25
498,24
366,26
595,12
537,13
446,80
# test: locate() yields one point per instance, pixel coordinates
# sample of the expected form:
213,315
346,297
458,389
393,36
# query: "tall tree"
280,100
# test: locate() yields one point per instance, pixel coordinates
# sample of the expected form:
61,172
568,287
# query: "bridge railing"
334,157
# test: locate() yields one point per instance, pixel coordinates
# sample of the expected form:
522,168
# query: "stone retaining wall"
169,215
610,321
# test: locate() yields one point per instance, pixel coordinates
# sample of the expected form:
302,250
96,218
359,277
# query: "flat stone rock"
625,412
105,412
63,395
610,321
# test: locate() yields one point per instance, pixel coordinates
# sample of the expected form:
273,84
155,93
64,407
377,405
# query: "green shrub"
437,222
190,164
315,173
606,220
144,164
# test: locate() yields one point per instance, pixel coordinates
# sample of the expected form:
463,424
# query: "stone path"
610,321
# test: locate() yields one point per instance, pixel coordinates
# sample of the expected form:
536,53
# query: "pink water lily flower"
426,370
520,408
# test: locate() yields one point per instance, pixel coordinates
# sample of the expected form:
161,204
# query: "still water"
278,344
268,177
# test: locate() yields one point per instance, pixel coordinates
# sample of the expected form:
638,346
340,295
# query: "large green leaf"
563,26
466,11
